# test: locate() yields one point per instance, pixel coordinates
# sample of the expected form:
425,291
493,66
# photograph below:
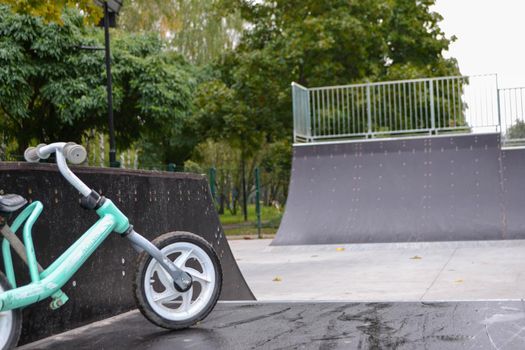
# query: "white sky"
491,37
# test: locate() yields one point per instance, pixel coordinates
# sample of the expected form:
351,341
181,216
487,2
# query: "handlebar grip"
31,154
75,154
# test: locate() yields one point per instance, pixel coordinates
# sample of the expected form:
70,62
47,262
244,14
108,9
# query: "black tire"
139,286
16,324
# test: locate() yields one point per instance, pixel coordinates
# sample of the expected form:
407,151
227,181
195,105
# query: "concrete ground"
445,271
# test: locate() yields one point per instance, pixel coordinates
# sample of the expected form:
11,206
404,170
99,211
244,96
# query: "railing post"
432,111
308,116
294,112
499,107
368,109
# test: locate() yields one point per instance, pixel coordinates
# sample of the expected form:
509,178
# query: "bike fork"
182,281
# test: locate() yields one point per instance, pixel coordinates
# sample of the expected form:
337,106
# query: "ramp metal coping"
510,148
380,139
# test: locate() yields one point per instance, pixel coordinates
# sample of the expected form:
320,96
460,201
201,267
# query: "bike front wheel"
10,321
154,289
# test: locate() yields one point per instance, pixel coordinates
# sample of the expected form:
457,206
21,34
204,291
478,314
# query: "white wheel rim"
6,324
169,303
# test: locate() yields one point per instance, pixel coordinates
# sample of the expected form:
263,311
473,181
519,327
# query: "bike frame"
49,282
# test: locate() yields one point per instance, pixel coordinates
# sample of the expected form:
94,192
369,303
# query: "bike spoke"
196,275
163,276
181,260
167,295
186,299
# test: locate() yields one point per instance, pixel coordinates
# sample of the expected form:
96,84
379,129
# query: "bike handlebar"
70,151
75,154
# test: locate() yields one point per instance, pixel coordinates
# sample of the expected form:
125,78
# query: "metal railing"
512,112
395,108
301,112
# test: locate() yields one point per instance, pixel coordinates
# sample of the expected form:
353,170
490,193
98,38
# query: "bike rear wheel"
154,290
10,321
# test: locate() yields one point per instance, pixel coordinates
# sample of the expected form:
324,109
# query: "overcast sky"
491,37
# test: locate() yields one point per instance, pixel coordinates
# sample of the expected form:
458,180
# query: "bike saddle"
11,202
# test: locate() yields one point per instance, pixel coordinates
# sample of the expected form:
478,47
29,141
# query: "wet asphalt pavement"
316,325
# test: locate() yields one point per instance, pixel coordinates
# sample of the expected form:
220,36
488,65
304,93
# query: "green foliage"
199,29
224,117
276,164
192,167
48,87
153,90
516,131
225,159
327,42
51,10
269,214
51,89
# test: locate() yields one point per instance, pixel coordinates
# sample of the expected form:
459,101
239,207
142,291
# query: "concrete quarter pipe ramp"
442,188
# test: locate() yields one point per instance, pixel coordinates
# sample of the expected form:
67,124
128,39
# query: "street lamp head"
113,5
111,10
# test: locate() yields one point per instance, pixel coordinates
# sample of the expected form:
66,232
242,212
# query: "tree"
154,87
50,89
276,165
198,29
327,42
51,11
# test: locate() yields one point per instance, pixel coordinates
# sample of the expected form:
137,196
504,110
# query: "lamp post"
111,9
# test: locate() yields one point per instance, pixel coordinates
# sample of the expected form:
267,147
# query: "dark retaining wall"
155,202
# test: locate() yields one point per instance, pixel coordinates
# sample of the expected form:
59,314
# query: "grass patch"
235,224
250,231
268,214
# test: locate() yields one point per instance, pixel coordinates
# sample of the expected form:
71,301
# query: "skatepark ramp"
444,188
155,202
408,161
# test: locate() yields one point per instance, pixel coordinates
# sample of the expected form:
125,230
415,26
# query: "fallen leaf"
416,257
339,249
458,281
277,279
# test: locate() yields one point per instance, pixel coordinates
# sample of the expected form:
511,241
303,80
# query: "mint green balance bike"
177,280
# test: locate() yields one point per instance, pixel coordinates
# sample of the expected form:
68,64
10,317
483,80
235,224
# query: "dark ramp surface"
450,325
155,202
444,188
